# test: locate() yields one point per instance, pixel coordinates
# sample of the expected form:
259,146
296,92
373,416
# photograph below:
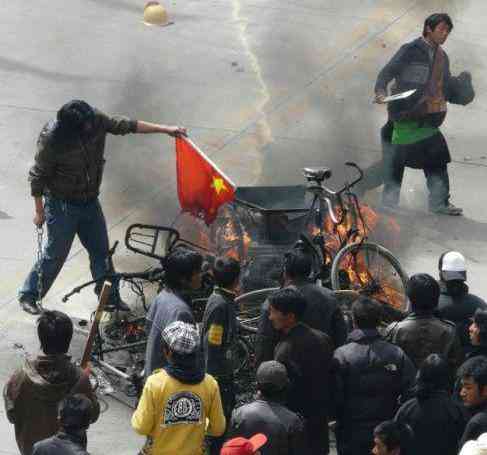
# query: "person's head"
433,374
76,117
366,313
286,308
226,272
392,438
272,380
478,328
180,341
244,446
297,265
55,331
475,446
474,383
423,292
183,269
437,27
75,413
452,266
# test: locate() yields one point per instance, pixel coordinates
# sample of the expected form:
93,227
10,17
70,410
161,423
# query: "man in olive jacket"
65,183
34,391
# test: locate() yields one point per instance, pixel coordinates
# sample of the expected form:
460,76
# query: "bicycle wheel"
373,271
250,305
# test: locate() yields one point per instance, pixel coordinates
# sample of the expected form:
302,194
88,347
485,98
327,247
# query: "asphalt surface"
265,87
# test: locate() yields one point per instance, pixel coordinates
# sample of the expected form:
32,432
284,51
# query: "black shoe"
29,307
449,209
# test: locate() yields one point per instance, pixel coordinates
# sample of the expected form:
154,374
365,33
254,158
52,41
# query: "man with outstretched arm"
65,183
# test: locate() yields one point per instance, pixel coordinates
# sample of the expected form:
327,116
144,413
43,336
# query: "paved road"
264,86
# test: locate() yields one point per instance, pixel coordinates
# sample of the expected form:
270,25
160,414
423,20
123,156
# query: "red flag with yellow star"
202,187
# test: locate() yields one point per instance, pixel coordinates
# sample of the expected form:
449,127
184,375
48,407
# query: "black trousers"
419,155
227,392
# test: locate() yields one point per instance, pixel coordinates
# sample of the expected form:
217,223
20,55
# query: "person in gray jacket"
182,274
65,183
267,414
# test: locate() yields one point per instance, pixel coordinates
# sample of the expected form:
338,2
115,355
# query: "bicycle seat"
317,174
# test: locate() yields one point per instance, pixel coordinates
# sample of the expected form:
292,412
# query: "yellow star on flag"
219,185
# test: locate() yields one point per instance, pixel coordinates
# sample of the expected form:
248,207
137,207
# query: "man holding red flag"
202,187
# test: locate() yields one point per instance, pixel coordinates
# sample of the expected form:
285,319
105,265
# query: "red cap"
243,446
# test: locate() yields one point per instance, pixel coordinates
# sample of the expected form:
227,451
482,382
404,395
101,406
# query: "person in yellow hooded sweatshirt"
180,404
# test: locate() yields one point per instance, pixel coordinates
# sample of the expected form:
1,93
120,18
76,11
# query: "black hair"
433,375
395,435
180,265
423,292
75,412
272,393
480,319
74,115
297,263
476,369
436,19
55,331
288,300
226,271
366,313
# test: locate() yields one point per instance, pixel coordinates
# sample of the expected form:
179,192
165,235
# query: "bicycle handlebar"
347,185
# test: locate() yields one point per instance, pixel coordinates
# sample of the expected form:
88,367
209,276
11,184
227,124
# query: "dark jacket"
307,354
370,375
33,393
322,313
420,335
167,307
476,426
410,68
458,306
219,332
61,444
437,422
283,428
74,172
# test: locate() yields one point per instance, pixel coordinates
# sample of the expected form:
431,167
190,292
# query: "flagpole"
186,138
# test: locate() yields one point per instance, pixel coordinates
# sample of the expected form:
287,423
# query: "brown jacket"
33,393
420,335
74,171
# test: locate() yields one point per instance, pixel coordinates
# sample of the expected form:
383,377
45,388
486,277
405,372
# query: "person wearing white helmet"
456,304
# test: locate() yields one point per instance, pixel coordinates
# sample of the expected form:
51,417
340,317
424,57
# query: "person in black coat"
322,310
456,304
307,354
370,375
436,420
74,420
474,394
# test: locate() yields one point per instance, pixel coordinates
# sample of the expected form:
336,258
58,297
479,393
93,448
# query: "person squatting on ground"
65,183
74,419
243,446
268,414
307,355
421,333
436,419
219,333
393,438
370,375
182,275
412,136
179,403
474,395
322,310
456,304
33,392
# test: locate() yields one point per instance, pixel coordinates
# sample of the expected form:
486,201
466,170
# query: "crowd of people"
415,386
